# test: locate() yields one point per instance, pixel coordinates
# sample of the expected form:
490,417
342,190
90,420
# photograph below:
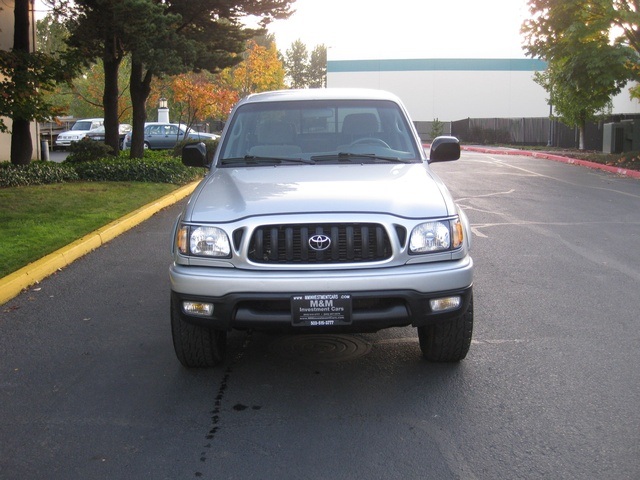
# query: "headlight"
203,241
436,236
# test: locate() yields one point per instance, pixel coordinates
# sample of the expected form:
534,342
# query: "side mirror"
194,155
444,149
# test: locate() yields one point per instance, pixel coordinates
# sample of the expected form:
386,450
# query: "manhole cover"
321,348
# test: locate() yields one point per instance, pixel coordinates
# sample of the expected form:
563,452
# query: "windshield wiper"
257,160
350,157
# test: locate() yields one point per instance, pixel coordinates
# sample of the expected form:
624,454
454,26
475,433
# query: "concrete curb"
14,283
556,158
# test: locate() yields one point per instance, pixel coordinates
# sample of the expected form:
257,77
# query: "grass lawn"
41,219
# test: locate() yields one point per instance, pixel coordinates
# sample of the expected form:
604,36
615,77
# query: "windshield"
318,131
81,126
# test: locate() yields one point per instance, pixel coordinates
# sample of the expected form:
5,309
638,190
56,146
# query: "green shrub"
87,150
437,128
123,169
86,164
35,173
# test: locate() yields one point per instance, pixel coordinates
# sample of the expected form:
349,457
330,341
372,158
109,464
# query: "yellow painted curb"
14,283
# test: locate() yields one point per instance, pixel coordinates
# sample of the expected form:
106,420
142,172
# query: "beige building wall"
455,89
6,42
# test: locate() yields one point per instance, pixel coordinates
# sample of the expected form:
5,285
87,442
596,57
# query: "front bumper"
381,298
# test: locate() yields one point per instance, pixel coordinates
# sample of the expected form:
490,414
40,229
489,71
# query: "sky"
393,29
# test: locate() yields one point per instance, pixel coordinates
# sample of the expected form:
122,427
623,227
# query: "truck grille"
334,243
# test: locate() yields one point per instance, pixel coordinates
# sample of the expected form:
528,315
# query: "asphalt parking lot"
90,387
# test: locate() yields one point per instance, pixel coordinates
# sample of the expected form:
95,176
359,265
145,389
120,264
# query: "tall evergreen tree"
317,73
296,64
163,37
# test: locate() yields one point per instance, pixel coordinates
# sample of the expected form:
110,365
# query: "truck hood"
69,133
407,190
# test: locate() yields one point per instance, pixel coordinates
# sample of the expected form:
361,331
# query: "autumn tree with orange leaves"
200,97
197,97
260,71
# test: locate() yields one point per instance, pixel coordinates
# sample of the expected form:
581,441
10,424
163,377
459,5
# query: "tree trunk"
582,129
21,144
110,100
140,88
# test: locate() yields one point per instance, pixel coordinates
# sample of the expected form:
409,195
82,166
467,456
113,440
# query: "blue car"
159,136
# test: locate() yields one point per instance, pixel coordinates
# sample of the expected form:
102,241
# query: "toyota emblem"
319,243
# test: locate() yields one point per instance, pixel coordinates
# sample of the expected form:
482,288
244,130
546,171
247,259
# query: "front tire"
448,341
196,346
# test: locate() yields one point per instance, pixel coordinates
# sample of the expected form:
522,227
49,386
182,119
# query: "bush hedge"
156,167
122,169
35,173
87,150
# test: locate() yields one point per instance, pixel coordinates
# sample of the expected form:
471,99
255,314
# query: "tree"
260,70
156,52
304,71
297,64
585,68
51,35
194,97
81,97
625,16
208,36
104,29
26,76
163,37
317,73
86,91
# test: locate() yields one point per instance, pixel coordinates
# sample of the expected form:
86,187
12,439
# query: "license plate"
321,309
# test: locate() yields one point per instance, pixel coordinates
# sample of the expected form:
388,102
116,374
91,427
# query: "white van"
78,131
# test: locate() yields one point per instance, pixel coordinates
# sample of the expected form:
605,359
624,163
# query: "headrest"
360,124
276,133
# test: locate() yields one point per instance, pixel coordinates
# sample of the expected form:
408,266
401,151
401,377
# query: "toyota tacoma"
320,213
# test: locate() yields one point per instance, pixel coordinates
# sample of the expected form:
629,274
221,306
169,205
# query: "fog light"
445,304
198,308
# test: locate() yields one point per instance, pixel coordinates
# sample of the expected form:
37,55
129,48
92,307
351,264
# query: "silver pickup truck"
319,213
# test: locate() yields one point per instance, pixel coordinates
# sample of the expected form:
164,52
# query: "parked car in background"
98,134
167,135
78,131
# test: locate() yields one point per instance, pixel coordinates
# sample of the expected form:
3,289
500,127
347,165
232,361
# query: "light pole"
163,110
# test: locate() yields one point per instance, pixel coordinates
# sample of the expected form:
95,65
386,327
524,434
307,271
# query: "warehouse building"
450,90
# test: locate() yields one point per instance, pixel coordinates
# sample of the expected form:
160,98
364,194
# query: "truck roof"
321,94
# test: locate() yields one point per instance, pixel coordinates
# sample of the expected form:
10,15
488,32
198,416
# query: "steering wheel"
371,141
